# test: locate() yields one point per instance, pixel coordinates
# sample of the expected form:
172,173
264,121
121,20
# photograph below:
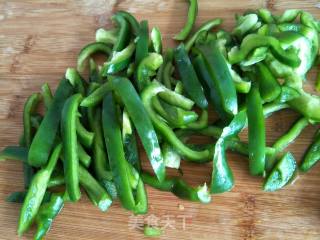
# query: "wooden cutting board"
40,39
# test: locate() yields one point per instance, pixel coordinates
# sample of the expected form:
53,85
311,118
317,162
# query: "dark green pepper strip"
312,156
36,192
179,188
134,25
268,85
56,181
222,178
84,157
89,50
147,68
119,61
281,174
69,140
205,27
189,77
265,15
156,39
29,109
150,91
130,142
47,95
44,138
93,72
107,36
85,137
291,135
221,78
124,32
113,141
252,41
76,81
167,72
142,42
96,193
257,137
149,231
36,120
192,15
47,213
16,197
14,153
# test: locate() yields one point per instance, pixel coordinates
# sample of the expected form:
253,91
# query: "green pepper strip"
245,24
189,77
288,16
16,197
179,188
15,153
36,192
220,76
89,50
85,137
167,72
147,68
201,123
107,37
281,174
265,15
312,156
47,95
222,178
152,90
119,61
291,135
96,193
268,85
47,213
168,57
124,32
93,72
156,39
134,25
56,181
84,157
252,41
257,137
69,140
205,27
139,116
44,138
142,42
192,15
76,81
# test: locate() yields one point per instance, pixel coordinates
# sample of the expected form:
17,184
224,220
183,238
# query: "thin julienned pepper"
69,140
291,135
252,41
245,24
134,25
46,95
76,81
201,123
113,141
312,156
189,77
124,32
44,138
110,187
242,84
168,57
179,87
156,40
192,15
205,27
141,199
142,42
95,191
265,15
93,72
281,174
107,36
119,60
222,178
47,213
89,50
269,87
84,157
288,16
150,91
85,137
56,181
167,72
146,69
36,192
221,78
179,188
257,137
318,82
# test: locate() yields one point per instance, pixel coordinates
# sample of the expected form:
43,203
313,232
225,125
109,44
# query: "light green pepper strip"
107,36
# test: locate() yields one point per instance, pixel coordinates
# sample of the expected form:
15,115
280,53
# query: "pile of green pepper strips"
87,135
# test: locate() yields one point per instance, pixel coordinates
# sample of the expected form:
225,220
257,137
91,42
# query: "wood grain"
39,39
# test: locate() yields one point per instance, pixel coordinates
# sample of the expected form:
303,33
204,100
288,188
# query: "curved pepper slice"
124,32
288,16
107,36
252,41
156,39
245,24
43,141
134,25
142,42
88,50
308,105
312,156
189,77
265,15
192,15
69,140
47,95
